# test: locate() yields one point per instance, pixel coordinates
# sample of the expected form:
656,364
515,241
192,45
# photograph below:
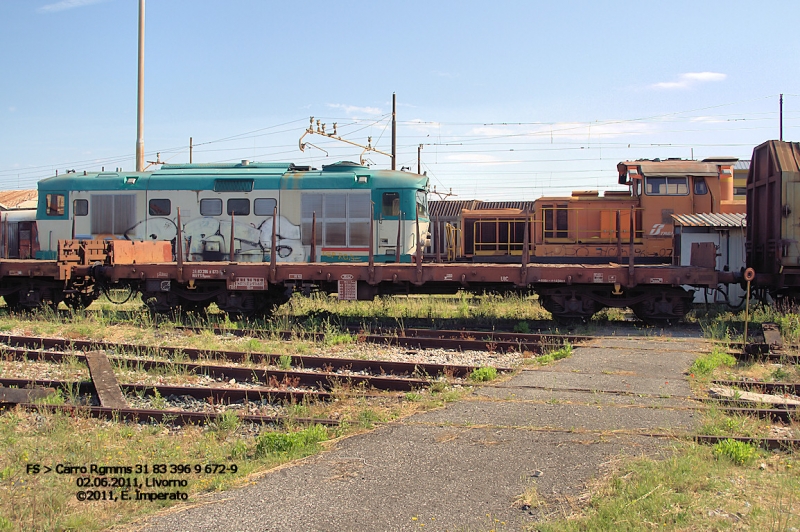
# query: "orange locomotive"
587,227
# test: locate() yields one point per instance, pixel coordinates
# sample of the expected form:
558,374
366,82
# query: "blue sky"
511,100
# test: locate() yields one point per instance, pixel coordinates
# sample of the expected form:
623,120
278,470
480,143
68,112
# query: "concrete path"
462,468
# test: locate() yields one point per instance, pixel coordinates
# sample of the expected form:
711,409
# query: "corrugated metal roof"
742,164
505,205
675,168
449,209
710,220
11,199
444,209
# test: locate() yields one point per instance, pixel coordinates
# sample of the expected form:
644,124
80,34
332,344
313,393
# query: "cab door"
388,214
701,198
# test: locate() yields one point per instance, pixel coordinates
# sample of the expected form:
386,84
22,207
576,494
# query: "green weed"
705,365
780,374
738,452
226,423
522,327
158,402
486,373
367,418
56,398
562,352
690,490
285,362
300,443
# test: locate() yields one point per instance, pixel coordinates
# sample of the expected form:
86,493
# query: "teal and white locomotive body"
144,206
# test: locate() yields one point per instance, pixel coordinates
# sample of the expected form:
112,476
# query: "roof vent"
245,162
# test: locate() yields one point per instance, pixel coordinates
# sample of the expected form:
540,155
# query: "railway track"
323,380
211,394
172,417
780,388
770,444
329,364
784,413
457,340
310,378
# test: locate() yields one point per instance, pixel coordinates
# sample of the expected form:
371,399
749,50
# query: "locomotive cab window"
390,206
666,186
422,204
239,206
556,221
264,206
700,187
210,207
160,207
55,204
80,207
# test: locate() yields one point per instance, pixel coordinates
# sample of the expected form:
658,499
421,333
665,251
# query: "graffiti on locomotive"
340,205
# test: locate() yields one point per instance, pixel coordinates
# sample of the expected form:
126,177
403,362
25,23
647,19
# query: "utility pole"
191,147
419,160
781,117
394,131
140,95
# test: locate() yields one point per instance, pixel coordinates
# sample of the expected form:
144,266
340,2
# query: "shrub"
738,452
295,443
486,373
706,364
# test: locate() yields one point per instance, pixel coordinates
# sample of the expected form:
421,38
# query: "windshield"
422,204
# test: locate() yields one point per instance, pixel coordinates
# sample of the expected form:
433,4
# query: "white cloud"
12,109
355,111
706,119
689,79
66,4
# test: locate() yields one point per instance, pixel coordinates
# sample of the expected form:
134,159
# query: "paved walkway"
462,467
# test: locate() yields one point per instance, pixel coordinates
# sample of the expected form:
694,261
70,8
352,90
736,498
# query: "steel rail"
216,395
771,444
323,380
426,338
305,361
767,387
776,414
761,351
175,417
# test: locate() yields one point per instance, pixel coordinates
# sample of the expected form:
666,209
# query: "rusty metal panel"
704,255
129,252
773,208
94,251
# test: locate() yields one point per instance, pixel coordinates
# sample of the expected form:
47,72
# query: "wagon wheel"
568,308
159,303
78,300
665,309
252,305
119,294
